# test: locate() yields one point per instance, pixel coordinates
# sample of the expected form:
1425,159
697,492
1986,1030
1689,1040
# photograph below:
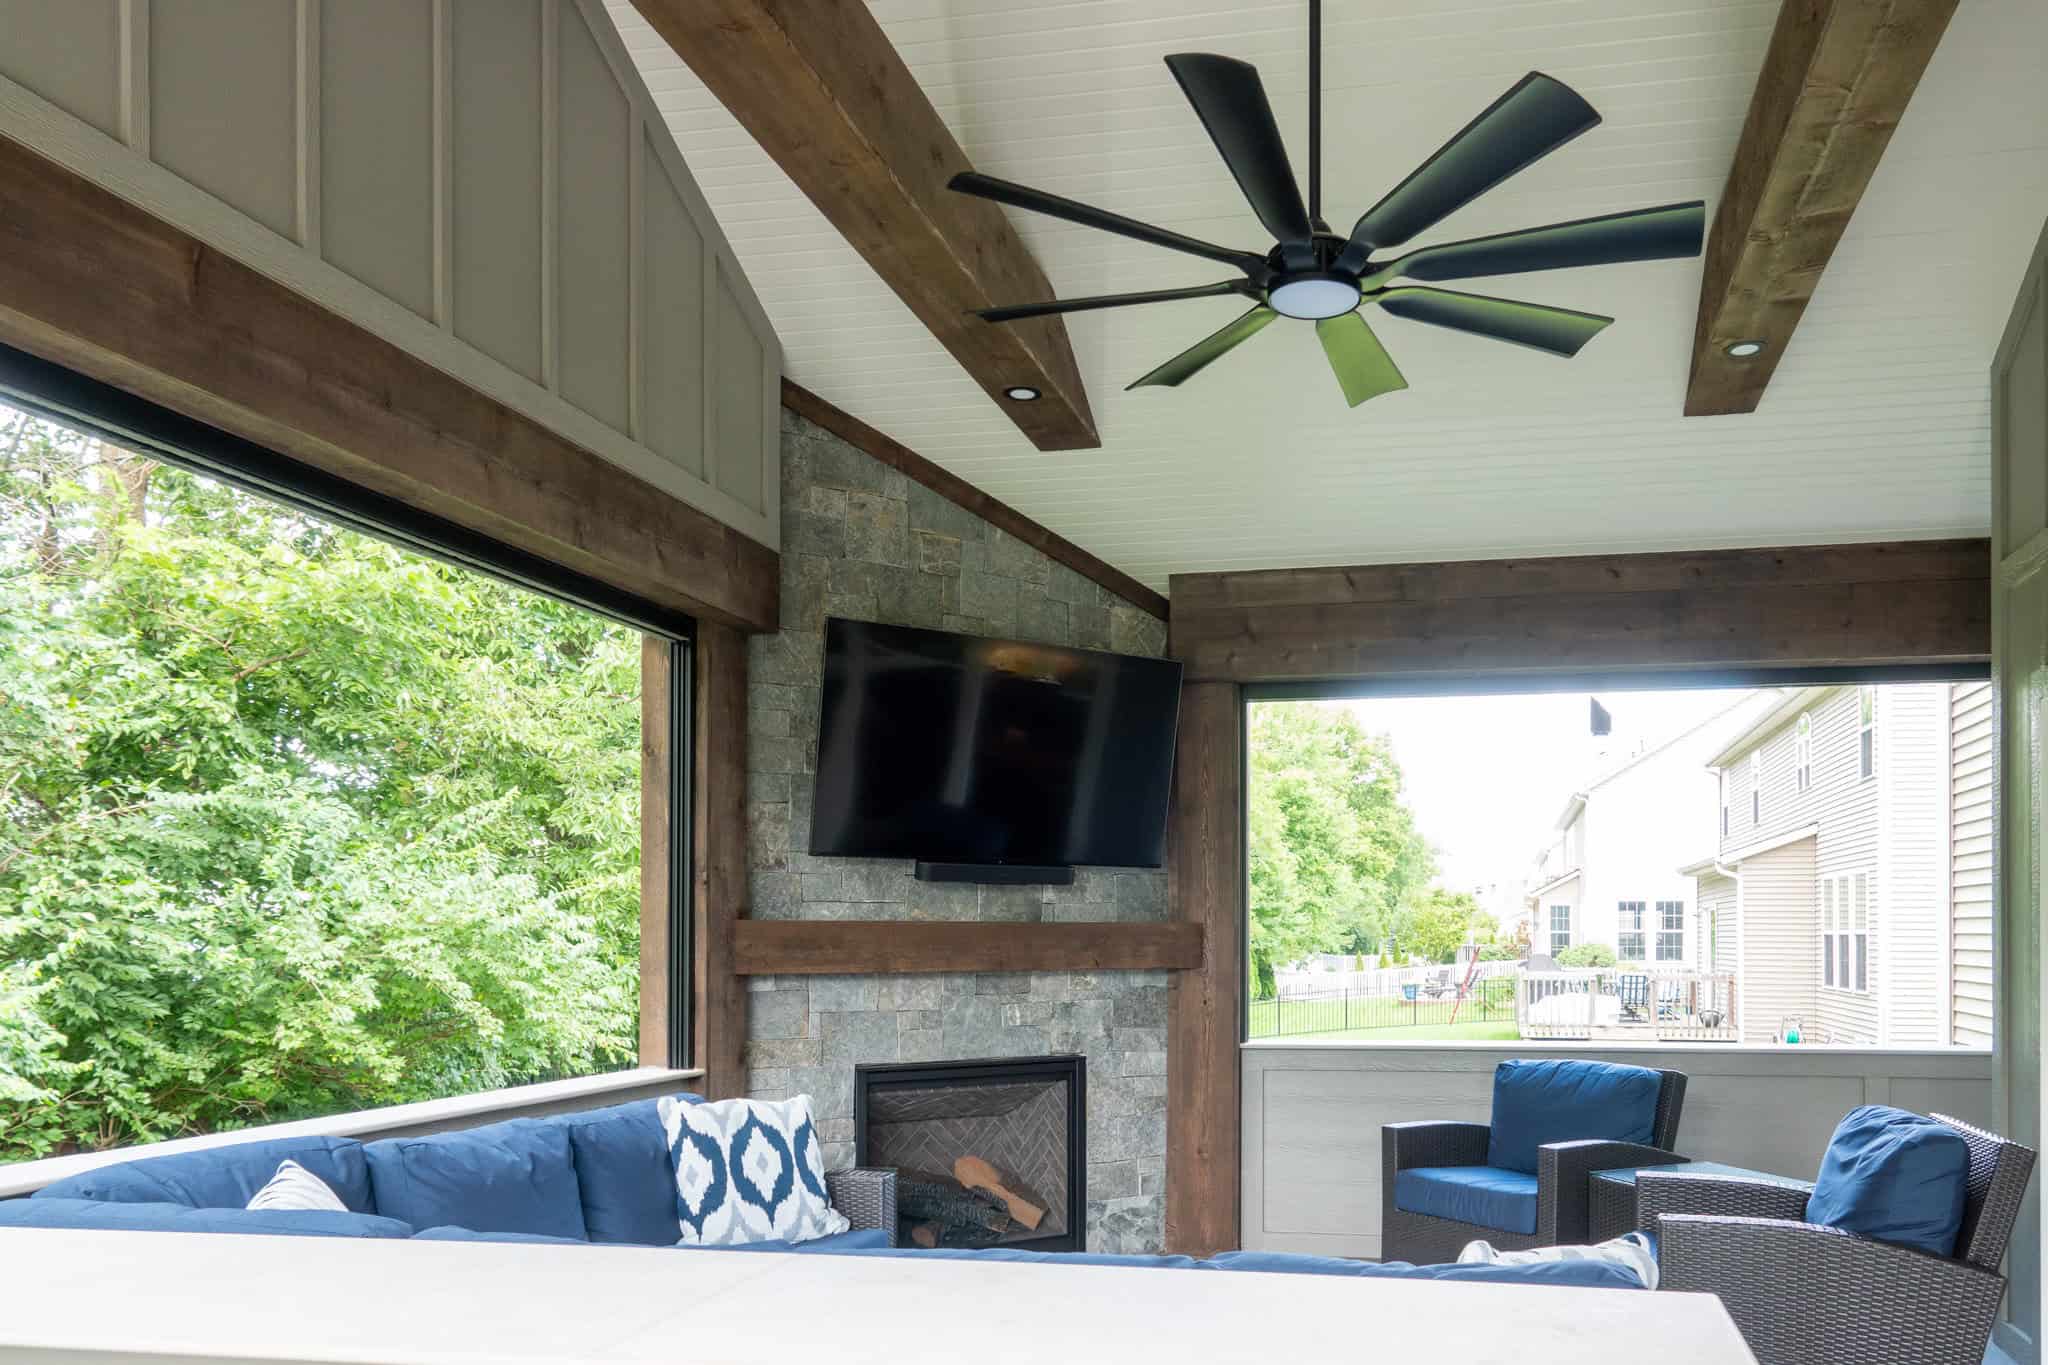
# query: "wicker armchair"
1800,1292
867,1197
1562,1172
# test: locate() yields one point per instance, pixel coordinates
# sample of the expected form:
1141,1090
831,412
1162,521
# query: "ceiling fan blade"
1560,331
1231,101
1210,347
1034,310
1664,233
1539,115
1038,201
1363,367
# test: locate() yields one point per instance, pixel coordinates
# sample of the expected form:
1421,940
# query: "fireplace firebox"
987,1153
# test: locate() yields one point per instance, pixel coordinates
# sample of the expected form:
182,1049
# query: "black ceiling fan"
1313,274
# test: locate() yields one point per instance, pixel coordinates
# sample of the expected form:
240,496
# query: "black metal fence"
1491,1000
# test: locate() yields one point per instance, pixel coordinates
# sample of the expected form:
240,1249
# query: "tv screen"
949,748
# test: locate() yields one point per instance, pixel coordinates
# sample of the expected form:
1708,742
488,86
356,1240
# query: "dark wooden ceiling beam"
1834,85
818,85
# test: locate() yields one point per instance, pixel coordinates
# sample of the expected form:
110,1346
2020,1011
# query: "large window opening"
294,820
1493,867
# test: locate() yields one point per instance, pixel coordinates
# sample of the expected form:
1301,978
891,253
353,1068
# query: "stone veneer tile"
862,540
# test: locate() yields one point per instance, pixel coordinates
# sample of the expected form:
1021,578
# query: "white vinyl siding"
1910,905
1779,954
1970,774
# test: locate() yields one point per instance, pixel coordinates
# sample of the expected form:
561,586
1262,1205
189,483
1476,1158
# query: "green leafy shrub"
1587,955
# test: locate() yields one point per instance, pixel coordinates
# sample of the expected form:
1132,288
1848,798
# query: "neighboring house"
1851,881
1609,874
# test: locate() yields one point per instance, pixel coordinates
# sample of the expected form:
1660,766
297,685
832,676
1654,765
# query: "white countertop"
138,1296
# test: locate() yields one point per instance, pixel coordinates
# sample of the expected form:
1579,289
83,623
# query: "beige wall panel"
2020,410
738,399
495,163
594,243
223,102
69,52
377,145
672,322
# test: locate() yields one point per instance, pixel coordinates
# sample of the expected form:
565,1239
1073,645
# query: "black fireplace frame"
1070,1067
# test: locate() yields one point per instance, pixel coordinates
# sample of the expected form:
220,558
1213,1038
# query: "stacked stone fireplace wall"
862,541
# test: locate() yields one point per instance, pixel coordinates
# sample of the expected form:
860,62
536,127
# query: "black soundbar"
996,874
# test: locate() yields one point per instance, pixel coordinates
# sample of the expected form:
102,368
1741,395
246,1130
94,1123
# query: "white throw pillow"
1631,1251
748,1171
295,1187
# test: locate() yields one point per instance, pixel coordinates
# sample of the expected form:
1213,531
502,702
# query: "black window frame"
64,396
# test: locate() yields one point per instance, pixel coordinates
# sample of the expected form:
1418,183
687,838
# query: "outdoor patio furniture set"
1891,1254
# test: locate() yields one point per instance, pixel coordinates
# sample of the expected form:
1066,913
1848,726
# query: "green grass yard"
1502,1031
1383,1019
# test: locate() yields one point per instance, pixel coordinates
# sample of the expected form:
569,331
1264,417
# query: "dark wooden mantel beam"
1834,85
818,85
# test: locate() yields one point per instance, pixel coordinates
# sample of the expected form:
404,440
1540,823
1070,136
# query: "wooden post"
719,794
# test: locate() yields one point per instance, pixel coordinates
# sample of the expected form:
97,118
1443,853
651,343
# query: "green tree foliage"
1332,849
1587,955
1435,923
291,821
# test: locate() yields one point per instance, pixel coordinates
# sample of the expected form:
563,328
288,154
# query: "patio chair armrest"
1721,1196
1433,1142
1799,1291
867,1197
1563,1198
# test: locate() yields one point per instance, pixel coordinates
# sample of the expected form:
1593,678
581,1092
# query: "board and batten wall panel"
484,183
495,137
377,92
2019,673
1312,1115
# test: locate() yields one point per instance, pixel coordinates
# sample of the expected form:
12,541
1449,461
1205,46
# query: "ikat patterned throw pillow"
748,1171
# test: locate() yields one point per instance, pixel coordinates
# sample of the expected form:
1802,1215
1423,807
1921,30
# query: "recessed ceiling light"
1743,350
1023,393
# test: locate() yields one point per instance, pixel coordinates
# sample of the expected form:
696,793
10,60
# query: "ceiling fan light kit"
1312,274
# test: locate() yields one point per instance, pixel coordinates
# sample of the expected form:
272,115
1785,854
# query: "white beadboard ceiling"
1876,425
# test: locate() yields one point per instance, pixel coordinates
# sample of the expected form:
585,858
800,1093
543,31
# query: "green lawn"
1388,1017
1503,1031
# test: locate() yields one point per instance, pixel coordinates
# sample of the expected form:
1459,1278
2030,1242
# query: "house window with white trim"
1803,750
1560,928
1845,932
1628,943
1756,786
1866,733
1671,931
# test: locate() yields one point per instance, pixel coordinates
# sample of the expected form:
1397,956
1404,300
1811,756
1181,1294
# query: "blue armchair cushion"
623,1173
160,1216
1540,1102
224,1177
1485,1195
1895,1176
515,1176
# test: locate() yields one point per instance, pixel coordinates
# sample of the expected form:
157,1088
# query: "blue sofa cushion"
168,1217
454,1234
1895,1176
515,1176
1540,1102
1016,1254
1485,1195
224,1177
623,1173
1583,1274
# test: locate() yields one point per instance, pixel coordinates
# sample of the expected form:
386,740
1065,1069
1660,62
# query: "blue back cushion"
167,1217
1483,1195
515,1176
1541,1102
623,1171
224,1177
1895,1176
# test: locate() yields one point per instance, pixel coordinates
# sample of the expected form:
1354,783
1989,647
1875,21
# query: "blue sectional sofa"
598,1176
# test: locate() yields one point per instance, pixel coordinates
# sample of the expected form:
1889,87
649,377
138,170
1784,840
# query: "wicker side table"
867,1197
1611,1195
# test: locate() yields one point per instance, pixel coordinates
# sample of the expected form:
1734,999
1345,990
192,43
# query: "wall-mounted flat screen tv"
951,748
